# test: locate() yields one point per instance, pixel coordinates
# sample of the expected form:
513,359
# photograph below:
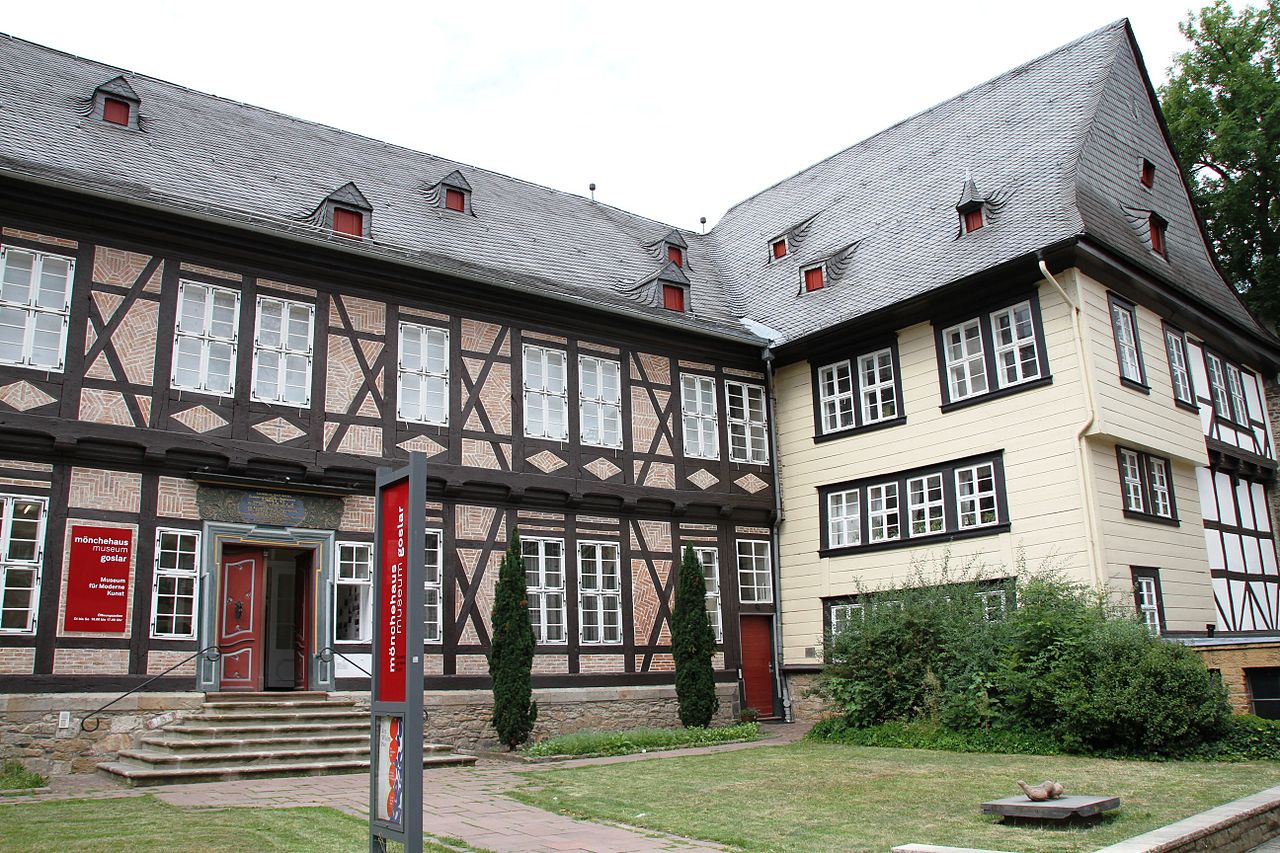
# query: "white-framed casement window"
353,593
994,603
748,427
876,386
1146,485
35,302
976,495
176,579
709,558
21,549
1235,391
432,584
1131,481
835,396
1014,338
422,382
204,338
600,593
882,512
925,505
600,401
544,580
1175,344
546,401
844,615
282,348
698,413
755,577
844,523
1146,598
1124,325
966,362
1217,384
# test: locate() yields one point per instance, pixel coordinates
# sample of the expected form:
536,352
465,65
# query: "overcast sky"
674,110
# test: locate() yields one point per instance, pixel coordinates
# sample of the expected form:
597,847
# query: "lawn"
147,825
812,797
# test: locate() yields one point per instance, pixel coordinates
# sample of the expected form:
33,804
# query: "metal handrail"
92,715
326,654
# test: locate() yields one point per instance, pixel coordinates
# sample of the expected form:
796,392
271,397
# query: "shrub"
1244,738
511,651
14,777
692,645
927,735
640,740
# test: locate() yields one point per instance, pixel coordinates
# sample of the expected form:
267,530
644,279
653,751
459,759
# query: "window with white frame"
966,362
282,352
1217,384
1176,347
844,615
748,428
1146,599
1124,326
976,495
993,603
21,548
599,593
858,392
925,504
709,558
352,593
877,388
1131,481
423,375
835,396
1146,485
204,338
1014,337
432,614
173,590
1235,391
600,403
882,512
844,522
755,579
993,354
35,301
698,411
544,580
546,401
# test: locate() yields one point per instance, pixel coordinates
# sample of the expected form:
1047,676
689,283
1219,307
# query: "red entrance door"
757,663
240,620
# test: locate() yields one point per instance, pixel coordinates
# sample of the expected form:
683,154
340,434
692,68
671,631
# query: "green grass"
147,825
15,777
640,740
814,797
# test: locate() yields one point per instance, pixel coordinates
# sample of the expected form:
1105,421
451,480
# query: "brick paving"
459,802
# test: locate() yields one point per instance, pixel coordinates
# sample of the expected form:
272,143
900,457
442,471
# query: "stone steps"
198,730
137,774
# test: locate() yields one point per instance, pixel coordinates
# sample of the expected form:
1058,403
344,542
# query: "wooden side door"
757,664
240,618
304,608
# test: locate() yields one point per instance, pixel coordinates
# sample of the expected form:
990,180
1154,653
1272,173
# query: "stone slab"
1059,809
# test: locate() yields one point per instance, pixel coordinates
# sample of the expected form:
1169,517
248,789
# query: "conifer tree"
511,651
692,645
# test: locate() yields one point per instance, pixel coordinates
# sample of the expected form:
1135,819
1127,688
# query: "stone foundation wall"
1232,661
805,706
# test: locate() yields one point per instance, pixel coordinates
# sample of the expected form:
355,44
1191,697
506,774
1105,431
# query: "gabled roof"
119,87
456,180
349,194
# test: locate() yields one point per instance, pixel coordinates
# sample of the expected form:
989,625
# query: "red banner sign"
98,579
392,653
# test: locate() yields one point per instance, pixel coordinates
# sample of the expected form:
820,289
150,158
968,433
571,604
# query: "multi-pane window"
698,412
882,512
755,579
352,593
1176,347
432,617
748,430
844,524
1014,337
600,406
204,338
423,377
844,615
1124,325
925,504
173,593
976,495
1146,484
858,392
21,545
709,558
1235,390
544,580
35,300
599,592
1146,597
1217,384
1131,481
993,603
546,401
877,388
835,396
282,352
966,363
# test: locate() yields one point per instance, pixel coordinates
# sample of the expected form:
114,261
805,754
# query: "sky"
675,110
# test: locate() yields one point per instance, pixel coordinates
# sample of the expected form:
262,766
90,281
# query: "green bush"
693,642
1244,738
15,777
511,651
641,740
927,735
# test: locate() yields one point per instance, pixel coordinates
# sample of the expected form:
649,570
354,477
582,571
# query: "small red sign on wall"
392,651
98,579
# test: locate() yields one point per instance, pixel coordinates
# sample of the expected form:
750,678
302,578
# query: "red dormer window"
115,111
972,220
813,279
779,248
1158,227
349,222
676,255
673,297
455,200
1148,176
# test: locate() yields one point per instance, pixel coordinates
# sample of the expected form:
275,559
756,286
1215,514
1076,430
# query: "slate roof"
1053,147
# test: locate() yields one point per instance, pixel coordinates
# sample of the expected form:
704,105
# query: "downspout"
784,692
1093,540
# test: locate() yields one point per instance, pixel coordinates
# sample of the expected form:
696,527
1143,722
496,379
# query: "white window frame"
1131,480
699,416
600,592
33,312
539,591
34,565
844,527
755,571
283,352
1159,487
178,575
599,410
433,588
363,587
1148,602
884,512
754,433
710,560
205,338
879,393
429,381
1217,384
966,365
843,614
971,517
1021,337
1235,393
1179,374
931,511
1124,327
544,397
997,596
836,396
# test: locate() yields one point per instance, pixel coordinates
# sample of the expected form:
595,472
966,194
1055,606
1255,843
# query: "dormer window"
673,297
972,219
675,255
115,102
970,207
349,222
452,192
813,278
345,211
1158,227
779,248
455,200
115,111
1148,174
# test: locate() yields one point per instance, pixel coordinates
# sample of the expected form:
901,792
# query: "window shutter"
779,248
348,222
115,111
455,200
676,255
972,220
1148,173
672,297
813,279
1157,235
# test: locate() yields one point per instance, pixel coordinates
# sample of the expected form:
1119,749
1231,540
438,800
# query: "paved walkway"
459,802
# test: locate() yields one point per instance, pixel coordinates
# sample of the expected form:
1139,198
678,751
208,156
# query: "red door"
757,660
241,618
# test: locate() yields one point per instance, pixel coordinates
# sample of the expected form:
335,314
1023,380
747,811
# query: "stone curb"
24,792
1243,824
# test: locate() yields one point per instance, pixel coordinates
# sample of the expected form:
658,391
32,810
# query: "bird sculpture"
1046,790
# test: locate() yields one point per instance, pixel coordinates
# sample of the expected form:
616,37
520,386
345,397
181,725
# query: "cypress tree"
511,651
692,645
